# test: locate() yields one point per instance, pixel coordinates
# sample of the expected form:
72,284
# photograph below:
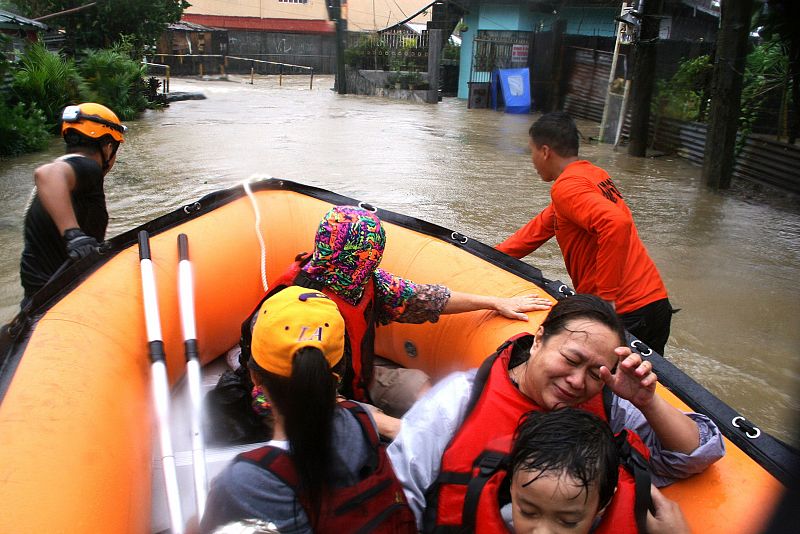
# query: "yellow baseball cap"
294,318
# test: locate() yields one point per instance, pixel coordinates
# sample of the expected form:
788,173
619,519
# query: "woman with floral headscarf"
348,248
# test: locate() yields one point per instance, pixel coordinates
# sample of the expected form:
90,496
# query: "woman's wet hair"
307,401
568,441
582,306
558,131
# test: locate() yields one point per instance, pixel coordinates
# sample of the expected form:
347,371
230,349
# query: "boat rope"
252,197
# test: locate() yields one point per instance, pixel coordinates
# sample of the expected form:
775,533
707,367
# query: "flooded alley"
730,261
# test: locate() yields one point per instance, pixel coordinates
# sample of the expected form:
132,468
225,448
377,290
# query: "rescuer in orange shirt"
595,231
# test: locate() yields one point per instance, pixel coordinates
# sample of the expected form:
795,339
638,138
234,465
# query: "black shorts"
650,324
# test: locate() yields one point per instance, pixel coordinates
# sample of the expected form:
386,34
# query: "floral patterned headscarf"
348,248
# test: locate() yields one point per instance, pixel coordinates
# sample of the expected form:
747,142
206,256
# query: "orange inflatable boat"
77,431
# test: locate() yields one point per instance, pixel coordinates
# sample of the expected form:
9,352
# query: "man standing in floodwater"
595,231
67,217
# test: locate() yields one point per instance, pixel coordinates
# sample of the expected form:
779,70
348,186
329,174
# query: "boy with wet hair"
564,468
595,232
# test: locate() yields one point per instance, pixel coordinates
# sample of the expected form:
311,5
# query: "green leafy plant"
766,71
411,80
393,79
22,129
369,52
682,96
409,43
48,81
451,51
115,80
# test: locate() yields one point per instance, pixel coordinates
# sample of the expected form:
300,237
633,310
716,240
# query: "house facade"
301,16
293,31
515,21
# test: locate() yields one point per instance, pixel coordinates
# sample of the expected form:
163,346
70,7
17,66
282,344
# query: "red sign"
519,53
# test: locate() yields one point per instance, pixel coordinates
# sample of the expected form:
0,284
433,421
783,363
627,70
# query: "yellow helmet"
92,120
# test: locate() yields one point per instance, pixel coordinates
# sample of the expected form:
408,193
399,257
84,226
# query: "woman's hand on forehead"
634,379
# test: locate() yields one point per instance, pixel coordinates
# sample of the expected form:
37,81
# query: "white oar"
160,383
186,293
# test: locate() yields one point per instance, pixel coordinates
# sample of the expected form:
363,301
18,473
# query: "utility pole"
436,38
642,76
726,93
335,15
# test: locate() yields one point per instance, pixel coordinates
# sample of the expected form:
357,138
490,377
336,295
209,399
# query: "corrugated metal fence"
761,160
588,80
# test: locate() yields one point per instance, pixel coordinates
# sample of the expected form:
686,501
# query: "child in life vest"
564,469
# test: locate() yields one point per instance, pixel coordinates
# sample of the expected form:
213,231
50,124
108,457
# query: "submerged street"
730,261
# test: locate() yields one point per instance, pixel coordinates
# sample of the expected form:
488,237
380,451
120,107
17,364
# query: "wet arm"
669,465
513,308
54,184
426,302
416,452
387,426
531,236
673,428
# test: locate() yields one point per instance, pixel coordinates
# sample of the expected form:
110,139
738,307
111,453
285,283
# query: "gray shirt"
416,453
246,491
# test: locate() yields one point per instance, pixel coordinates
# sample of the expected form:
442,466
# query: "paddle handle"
150,296
159,382
186,297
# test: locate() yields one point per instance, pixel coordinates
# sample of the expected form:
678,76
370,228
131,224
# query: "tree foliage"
115,80
105,23
681,97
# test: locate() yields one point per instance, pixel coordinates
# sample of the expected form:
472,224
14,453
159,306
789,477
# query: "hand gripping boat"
77,432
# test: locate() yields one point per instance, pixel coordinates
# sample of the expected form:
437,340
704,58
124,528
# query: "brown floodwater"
731,261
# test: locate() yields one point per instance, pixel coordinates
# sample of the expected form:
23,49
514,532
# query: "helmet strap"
105,160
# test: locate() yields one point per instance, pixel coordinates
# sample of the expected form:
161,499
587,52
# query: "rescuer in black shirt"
67,217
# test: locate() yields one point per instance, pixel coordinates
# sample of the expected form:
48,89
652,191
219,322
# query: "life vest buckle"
491,461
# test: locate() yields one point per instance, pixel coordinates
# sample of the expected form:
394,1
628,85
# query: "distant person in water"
595,231
67,217
348,249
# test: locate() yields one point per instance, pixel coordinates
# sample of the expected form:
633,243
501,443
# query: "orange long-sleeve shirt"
597,236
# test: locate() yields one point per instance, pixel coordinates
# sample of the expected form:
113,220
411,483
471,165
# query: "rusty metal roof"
9,20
